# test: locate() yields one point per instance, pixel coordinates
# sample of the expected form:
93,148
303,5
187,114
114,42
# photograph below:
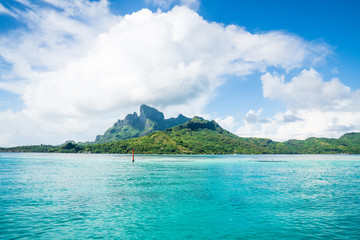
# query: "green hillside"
199,136
33,148
347,144
133,126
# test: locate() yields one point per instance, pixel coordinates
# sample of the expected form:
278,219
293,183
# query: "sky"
274,69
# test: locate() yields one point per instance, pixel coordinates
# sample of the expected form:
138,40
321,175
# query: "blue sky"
277,69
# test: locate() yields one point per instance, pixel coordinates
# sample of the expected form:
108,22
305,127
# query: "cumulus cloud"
309,123
315,108
253,117
52,38
167,58
308,90
227,123
19,128
85,63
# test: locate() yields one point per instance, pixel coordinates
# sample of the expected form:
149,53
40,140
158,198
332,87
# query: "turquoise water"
65,196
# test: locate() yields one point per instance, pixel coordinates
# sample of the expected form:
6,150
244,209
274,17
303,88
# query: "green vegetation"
133,126
199,136
34,148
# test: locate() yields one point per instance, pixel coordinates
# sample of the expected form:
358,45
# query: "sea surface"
75,196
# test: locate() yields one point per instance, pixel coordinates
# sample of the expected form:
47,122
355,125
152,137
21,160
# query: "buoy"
133,159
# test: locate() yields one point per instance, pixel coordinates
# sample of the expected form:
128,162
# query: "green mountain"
348,143
133,126
197,136
150,133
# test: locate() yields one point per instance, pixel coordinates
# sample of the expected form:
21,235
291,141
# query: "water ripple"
59,196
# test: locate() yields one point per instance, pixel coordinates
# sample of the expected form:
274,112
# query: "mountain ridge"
133,125
195,136
200,136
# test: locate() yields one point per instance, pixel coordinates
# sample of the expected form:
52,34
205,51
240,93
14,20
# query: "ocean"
89,196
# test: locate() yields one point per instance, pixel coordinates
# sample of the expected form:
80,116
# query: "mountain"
151,133
133,126
197,136
200,136
348,143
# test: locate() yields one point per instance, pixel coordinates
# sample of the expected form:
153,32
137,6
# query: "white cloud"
253,117
307,123
308,90
159,58
3,10
23,128
52,38
315,108
84,63
193,4
6,11
167,4
227,123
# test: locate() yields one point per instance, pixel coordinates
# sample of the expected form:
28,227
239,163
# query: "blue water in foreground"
65,196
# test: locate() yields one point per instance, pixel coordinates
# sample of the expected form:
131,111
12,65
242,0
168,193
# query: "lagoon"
82,196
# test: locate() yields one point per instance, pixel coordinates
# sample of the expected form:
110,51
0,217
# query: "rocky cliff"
132,126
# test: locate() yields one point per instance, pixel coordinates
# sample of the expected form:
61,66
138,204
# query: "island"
151,133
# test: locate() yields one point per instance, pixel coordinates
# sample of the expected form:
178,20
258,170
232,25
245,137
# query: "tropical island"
151,133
